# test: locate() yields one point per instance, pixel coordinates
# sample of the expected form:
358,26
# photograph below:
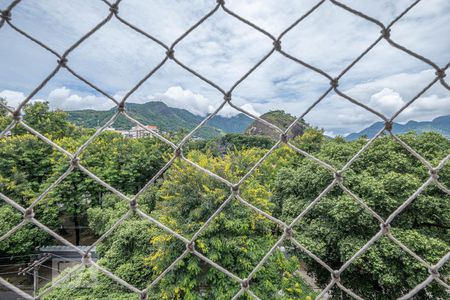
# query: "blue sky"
223,49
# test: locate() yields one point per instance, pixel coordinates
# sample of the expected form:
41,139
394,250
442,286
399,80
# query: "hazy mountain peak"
440,124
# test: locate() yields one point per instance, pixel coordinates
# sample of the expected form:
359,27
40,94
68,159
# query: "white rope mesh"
63,63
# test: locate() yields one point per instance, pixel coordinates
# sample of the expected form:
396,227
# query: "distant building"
138,132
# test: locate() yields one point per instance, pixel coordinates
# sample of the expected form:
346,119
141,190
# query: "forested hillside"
165,117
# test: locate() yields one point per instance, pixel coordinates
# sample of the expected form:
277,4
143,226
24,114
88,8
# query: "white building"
138,132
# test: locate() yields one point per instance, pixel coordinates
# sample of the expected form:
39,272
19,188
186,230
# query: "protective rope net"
112,11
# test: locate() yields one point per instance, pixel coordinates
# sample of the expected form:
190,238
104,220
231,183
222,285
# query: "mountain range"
439,124
165,117
174,119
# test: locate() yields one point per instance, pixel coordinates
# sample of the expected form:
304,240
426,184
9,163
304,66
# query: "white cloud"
63,98
223,49
59,95
249,108
426,108
386,95
178,97
330,133
386,101
13,98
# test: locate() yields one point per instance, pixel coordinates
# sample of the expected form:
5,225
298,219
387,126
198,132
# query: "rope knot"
434,271
220,2
62,62
388,125
433,173
75,162
144,295
283,138
6,15
288,232
235,189
86,259
28,214
170,53
386,33
245,284
121,107
334,83
440,73
277,45
17,116
114,8
338,177
385,227
178,152
336,275
191,246
227,97
133,204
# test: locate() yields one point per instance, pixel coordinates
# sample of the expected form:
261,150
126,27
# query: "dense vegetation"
384,177
237,239
28,166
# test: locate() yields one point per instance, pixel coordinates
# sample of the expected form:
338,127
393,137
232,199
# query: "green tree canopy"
236,239
383,177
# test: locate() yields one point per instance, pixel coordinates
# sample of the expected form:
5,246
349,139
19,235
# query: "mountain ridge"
439,124
165,117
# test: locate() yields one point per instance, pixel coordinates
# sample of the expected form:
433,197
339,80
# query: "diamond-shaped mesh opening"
346,115
284,276
384,60
136,251
22,154
332,196
337,28
79,281
274,17
192,278
229,162
386,268
236,38
431,30
300,84
115,76
62,28
9,246
172,22
186,198
423,225
126,162
225,240
183,114
324,230
39,64
296,190
33,262
385,190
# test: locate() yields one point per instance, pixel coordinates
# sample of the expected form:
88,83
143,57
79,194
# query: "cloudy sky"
223,49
